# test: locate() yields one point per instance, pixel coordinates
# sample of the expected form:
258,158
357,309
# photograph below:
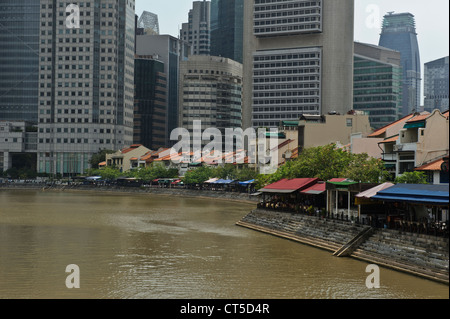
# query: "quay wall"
177,191
417,254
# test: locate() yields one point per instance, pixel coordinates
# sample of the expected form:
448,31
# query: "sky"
432,20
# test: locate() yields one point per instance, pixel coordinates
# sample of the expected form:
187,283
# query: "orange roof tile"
129,149
383,130
390,140
433,166
418,118
102,164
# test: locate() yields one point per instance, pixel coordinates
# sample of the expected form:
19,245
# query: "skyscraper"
19,60
171,51
437,85
227,22
86,83
197,31
399,33
211,92
150,107
149,23
377,83
298,58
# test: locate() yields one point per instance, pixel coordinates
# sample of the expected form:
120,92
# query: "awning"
416,194
93,178
415,125
212,180
288,186
316,189
223,181
364,198
247,182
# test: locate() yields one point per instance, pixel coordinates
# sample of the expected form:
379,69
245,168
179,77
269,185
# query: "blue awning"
223,181
416,194
247,182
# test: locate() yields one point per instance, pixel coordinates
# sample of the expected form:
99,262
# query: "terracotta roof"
446,113
383,130
102,164
129,149
418,118
433,166
133,159
390,140
282,145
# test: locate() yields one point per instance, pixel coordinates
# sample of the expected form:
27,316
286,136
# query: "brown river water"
143,246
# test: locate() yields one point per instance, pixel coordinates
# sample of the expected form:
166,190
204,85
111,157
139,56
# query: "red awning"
287,186
316,189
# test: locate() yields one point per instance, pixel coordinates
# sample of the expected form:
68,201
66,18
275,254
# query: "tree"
412,178
366,169
327,162
198,175
99,157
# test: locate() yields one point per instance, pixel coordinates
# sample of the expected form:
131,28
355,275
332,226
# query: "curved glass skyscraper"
399,33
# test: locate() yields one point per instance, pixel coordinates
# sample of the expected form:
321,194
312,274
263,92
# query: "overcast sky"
432,20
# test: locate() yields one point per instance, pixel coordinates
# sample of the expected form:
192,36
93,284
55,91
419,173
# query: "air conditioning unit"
398,148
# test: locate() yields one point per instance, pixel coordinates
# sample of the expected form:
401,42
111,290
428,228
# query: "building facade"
149,102
436,85
86,83
171,51
399,33
298,58
227,23
377,88
210,92
19,60
197,31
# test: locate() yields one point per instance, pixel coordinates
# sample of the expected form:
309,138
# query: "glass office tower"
227,23
399,33
19,60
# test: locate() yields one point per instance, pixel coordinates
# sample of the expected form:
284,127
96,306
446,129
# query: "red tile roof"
418,118
129,149
383,130
433,166
391,139
292,184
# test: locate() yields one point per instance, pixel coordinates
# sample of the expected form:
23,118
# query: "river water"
146,246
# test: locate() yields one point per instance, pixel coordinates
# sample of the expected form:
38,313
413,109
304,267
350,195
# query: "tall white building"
197,31
86,83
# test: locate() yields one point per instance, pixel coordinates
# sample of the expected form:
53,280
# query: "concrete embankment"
417,254
235,196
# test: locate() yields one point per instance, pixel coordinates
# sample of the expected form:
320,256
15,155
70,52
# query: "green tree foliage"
198,175
412,178
327,162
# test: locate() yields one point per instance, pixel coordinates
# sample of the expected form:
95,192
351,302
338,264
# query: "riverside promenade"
421,255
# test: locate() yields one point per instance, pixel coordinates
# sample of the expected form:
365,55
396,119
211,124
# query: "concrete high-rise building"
86,83
197,31
298,59
437,85
399,33
227,23
19,60
377,83
210,92
150,105
171,51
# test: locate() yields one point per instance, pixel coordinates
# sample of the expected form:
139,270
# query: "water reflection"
142,246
